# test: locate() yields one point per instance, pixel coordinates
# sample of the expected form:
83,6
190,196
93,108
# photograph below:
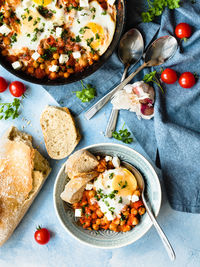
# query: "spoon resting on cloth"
157,53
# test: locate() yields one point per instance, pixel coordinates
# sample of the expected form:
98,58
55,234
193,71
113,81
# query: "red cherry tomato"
169,76
3,85
183,30
17,88
187,80
42,236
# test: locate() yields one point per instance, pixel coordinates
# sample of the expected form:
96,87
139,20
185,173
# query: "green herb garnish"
13,38
111,175
82,30
124,185
87,94
30,18
10,110
122,217
123,135
151,77
112,194
78,39
156,8
120,200
111,209
104,12
97,36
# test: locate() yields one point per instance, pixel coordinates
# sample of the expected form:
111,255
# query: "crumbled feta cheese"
76,54
134,198
84,3
89,186
78,212
58,31
116,162
111,2
35,56
63,58
108,158
54,68
17,65
4,29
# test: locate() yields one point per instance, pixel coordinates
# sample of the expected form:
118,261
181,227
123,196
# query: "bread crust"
40,170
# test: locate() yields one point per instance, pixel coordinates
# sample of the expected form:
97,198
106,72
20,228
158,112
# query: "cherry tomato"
42,236
17,88
183,30
187,80
169,76
3,85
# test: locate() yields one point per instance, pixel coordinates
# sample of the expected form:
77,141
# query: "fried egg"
94,26
115,188
33,26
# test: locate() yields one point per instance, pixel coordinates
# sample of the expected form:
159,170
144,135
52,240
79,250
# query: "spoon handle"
114,113
99,104
159,230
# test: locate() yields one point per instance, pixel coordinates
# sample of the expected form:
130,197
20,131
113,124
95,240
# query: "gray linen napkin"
175,129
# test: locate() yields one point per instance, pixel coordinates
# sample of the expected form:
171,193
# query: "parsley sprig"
156,8
10,110
151,77
87,94
123,135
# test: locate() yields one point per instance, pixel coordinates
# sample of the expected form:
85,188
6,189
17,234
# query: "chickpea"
137,193
91,193
113,227
47,71
66,74
134,211
84,203
6,40
95,57
116,221
40,60
99,213
4,52
87,224
60,74
95,227
7,14
54,62
35,64
42,66
94,216
90,61
141,210
53,75
82,62
40,50
56,56
70,70
98,221
30,70
125,213
126,228
135,221
122,222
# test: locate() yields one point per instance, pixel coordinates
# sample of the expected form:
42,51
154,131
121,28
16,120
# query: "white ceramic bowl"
106,238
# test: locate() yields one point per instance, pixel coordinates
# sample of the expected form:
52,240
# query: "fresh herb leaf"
97,36
120,200
52,48
82,30
123,135
13,38
124,185
122,217
87,94
151,77
30,18
156,8
77,39
111,175
104,12
10,110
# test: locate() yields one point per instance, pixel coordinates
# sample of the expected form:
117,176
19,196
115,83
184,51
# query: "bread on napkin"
60,133
23,171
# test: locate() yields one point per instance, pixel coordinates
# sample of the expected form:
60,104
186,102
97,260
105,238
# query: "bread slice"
59,130
79,163
23,171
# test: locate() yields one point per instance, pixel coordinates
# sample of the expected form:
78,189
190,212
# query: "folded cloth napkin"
175,129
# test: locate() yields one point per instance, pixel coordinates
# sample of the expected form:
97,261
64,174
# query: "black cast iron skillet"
120,21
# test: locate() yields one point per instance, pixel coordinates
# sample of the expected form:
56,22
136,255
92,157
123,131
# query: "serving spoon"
160,232
130,51
157,53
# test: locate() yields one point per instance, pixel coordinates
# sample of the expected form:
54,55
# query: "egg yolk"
125,183
42,2
94,32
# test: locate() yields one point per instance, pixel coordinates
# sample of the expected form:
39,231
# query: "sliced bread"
23,171
81,162
59,130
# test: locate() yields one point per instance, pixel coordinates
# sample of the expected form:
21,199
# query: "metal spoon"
158,52
141,185
130,51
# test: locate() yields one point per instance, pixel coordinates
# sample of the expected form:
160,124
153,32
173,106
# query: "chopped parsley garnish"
10,110
27,10
14,38
93,9
111,209
87,93
23,17
30,18
112,194
78,21
78,39
69,8
122,217
52,48
123,135
120,200
28,35
82,30
107,204
64,35
1,17
111,175
93,17
36,30
124,185
47,54
104,12
97,36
